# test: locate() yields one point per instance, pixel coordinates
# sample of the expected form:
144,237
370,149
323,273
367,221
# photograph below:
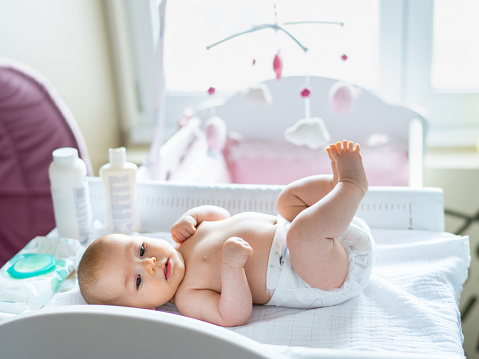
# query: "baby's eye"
138,281
142,250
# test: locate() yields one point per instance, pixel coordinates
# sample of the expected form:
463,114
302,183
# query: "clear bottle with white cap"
119,179
70,194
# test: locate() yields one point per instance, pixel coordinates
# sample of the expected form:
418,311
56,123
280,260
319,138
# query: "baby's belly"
258,231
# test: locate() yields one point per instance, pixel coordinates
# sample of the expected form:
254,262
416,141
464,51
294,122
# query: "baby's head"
130,271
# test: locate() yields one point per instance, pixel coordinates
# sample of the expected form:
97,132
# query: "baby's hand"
236,252
183,229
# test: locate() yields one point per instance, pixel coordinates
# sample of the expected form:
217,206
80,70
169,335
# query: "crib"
242,139
409,309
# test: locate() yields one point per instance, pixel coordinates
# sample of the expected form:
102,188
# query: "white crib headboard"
405,127
160,204
369,111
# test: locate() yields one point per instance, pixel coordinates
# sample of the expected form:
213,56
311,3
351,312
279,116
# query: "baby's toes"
333,151
339,147
357,149
350,146
328,150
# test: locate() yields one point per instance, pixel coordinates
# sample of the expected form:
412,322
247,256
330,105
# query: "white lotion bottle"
119,180
70,194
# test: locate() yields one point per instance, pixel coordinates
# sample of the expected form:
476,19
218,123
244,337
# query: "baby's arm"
231,307
186,225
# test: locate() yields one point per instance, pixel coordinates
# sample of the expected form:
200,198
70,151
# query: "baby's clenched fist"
236,252
183,229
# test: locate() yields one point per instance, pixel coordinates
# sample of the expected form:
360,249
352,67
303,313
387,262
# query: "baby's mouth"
167,269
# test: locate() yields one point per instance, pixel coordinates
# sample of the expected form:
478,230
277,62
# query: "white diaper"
289,290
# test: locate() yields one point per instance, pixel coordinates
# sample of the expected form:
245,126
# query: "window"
444,84
191,26
455,47
419,52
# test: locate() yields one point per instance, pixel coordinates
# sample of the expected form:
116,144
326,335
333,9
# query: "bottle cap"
117,156
31,265
65,155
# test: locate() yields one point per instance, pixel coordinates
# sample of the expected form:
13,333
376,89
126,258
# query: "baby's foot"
333,167
346,158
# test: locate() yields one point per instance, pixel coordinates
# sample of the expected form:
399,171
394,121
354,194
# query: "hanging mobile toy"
342,97
258,94
310,131
211,90
277,62
277,27
305,92
278,65
215,128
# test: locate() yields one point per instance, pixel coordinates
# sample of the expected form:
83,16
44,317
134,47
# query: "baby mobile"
309,131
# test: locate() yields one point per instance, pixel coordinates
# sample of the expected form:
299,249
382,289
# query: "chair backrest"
34,121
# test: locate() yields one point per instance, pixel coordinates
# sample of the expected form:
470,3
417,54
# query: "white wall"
66,40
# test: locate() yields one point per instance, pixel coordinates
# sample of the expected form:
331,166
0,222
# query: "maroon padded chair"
34,121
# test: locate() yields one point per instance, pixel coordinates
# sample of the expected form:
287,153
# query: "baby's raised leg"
316,254
302,194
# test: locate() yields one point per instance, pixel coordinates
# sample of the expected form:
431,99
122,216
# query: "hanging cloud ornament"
310,132
258,94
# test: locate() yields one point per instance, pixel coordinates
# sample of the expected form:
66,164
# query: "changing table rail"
161,203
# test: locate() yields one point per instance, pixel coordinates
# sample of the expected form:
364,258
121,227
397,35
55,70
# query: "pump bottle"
70,194
119,179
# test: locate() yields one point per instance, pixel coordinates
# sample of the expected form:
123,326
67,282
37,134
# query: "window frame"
417,88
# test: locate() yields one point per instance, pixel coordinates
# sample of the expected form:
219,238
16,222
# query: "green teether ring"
31,265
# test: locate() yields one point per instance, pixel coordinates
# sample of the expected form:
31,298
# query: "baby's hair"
88,271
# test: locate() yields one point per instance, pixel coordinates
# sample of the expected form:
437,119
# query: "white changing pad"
410,304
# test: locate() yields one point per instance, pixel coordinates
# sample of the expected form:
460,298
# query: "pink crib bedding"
256,162
274,162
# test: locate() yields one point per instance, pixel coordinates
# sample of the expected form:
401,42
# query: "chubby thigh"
321,262
292,291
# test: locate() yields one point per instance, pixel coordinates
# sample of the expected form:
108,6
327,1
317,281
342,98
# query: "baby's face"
140,271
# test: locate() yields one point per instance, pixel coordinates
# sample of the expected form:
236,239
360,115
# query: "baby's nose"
151,262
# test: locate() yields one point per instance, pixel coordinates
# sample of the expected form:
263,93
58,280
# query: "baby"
223,264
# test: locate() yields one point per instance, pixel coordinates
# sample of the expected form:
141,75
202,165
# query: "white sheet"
410,304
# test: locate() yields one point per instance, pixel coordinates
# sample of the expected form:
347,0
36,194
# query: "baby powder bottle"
119,178
70,195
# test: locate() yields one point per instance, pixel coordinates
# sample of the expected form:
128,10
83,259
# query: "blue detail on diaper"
281,259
